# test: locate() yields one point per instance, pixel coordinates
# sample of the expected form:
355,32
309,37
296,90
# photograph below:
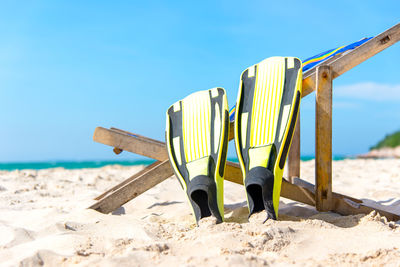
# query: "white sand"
44,220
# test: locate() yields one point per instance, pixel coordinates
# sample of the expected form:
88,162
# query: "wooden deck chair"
317,78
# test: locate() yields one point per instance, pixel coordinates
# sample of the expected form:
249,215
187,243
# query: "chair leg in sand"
300,190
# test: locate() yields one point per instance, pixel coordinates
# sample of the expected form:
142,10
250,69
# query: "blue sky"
69,66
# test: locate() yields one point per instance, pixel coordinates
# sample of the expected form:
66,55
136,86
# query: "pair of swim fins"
197,130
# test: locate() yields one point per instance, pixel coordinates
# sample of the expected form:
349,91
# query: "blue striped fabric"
315,60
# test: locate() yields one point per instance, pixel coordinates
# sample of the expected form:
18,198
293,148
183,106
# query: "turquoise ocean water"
94,164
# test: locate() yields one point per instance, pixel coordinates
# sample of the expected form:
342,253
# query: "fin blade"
269,97
200,123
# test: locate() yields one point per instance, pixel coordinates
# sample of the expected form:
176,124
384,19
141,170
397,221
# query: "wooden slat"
358,55
146,169
342,204
131,142
323,139
311,188
137,135
231,134
294,153
309,75
134,188
290,191
232,173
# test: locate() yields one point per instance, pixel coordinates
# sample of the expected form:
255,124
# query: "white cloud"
369,91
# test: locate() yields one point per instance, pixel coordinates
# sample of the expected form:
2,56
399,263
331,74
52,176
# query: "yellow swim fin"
266,111
197,141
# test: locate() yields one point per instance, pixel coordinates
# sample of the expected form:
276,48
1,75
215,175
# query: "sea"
10,166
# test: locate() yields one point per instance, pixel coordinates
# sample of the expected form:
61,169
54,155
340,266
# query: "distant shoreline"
70,165
382,153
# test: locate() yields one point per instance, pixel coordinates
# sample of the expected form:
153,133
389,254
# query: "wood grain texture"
231,134
323,139
341,204
131,142
305,194
294,153
134,187
146,169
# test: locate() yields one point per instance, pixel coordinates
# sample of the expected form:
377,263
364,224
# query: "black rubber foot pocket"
259,184
202,192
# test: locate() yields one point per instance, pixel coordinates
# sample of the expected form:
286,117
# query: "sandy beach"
44,221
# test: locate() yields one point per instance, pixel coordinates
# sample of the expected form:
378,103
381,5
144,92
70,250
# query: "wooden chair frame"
321,196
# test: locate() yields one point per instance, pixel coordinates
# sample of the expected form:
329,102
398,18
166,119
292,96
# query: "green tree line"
390,140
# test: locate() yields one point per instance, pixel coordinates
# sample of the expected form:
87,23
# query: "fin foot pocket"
259,184
202,194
